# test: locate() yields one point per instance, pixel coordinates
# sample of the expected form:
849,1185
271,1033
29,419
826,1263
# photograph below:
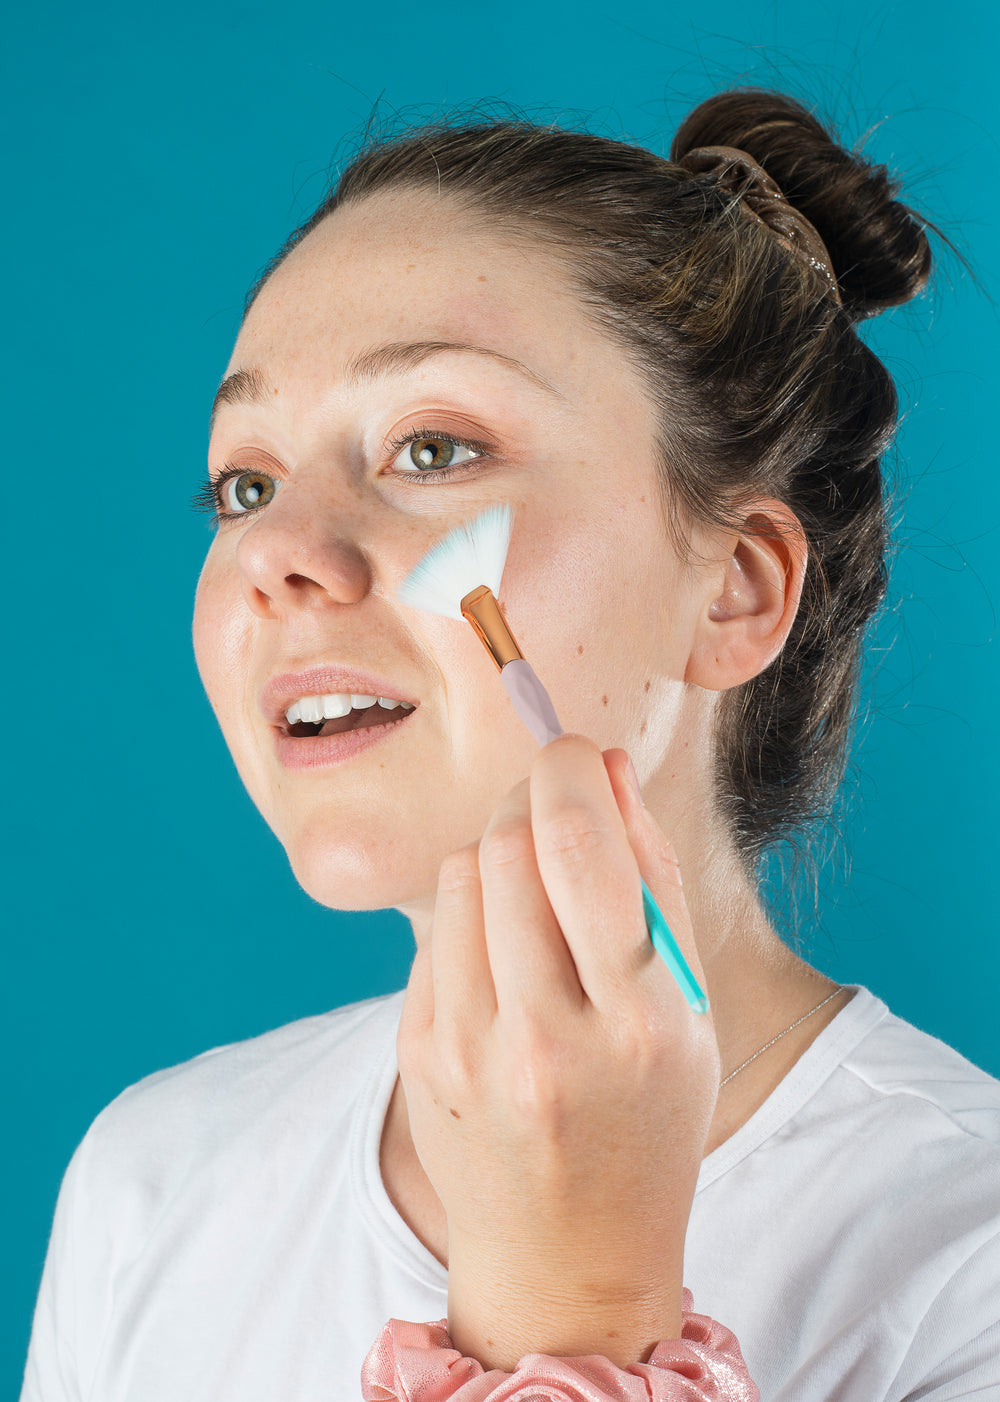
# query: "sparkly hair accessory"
417,1363
762,199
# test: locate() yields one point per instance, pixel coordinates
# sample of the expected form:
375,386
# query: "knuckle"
459,870
574,834
461,1064
536,1078
535,1096
644,1038
508,844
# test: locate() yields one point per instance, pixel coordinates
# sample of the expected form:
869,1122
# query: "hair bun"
878,247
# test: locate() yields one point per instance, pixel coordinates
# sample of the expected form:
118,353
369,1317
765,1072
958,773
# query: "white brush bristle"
472,554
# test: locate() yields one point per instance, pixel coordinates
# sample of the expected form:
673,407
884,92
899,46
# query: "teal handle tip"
669,951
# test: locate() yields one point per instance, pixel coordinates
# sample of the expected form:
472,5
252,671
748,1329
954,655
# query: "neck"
756,986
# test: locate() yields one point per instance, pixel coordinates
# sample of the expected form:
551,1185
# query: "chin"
354,876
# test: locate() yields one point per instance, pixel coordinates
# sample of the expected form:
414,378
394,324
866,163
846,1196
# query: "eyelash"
208,497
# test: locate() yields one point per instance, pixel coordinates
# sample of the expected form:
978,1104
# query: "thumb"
416,1020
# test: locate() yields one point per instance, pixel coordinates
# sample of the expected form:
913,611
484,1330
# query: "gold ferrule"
482,610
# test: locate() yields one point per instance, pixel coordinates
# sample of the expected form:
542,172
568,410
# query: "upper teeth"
317,708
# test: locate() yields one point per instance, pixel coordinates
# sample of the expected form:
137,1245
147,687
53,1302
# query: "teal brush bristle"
473,553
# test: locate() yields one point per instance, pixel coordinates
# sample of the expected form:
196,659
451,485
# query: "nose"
302,553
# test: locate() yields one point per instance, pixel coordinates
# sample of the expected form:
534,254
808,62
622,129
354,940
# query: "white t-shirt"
223,1234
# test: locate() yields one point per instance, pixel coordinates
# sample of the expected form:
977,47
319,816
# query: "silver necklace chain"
781,1034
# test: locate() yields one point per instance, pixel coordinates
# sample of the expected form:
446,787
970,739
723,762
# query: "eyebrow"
250,387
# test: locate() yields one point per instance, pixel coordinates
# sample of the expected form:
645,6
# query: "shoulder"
922,1180
912,1129
176,1171
177,1119
917,1076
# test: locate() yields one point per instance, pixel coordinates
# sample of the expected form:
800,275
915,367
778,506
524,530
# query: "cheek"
593,603
221,636
584,581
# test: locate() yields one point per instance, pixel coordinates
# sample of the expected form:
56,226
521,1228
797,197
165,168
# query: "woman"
656,364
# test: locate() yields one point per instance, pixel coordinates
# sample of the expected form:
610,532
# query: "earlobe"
749,606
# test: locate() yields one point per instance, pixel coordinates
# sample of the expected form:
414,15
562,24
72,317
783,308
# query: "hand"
559,1089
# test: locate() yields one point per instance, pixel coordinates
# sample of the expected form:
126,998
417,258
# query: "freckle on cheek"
579,651
642,728
605,700
647,686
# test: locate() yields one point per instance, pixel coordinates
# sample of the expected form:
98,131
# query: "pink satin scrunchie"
416,1363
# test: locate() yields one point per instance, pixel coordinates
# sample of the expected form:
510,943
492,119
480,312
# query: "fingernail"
634,779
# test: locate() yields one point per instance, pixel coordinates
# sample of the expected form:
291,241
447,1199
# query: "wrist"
419,1362
500,1317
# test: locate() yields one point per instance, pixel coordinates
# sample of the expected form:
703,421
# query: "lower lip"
307,752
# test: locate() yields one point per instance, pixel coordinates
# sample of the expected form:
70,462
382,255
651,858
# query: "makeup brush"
460,578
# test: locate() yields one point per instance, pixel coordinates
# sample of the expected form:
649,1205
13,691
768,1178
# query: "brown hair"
764,386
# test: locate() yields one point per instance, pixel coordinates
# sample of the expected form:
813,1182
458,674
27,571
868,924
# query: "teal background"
155,158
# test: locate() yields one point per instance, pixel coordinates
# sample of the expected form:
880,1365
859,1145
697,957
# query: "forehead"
413,266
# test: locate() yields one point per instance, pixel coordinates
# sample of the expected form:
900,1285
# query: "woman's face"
594,595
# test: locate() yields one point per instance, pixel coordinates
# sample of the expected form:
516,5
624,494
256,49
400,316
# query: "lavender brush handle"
531,700
532,704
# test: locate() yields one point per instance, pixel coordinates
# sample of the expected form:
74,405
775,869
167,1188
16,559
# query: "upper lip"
285,688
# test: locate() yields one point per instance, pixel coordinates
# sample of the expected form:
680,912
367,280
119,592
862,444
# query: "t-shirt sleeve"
966,1313
71,1308
51,1372
970,1374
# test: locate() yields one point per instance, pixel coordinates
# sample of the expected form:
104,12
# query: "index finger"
588,868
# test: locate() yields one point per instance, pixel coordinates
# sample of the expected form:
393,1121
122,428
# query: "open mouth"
354,720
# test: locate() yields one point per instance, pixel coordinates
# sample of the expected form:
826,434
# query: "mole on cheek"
579,651
647,686
605,700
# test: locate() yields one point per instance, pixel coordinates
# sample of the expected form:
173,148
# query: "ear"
750,598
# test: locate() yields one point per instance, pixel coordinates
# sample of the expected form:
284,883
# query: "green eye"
433,453
427,452
245,491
